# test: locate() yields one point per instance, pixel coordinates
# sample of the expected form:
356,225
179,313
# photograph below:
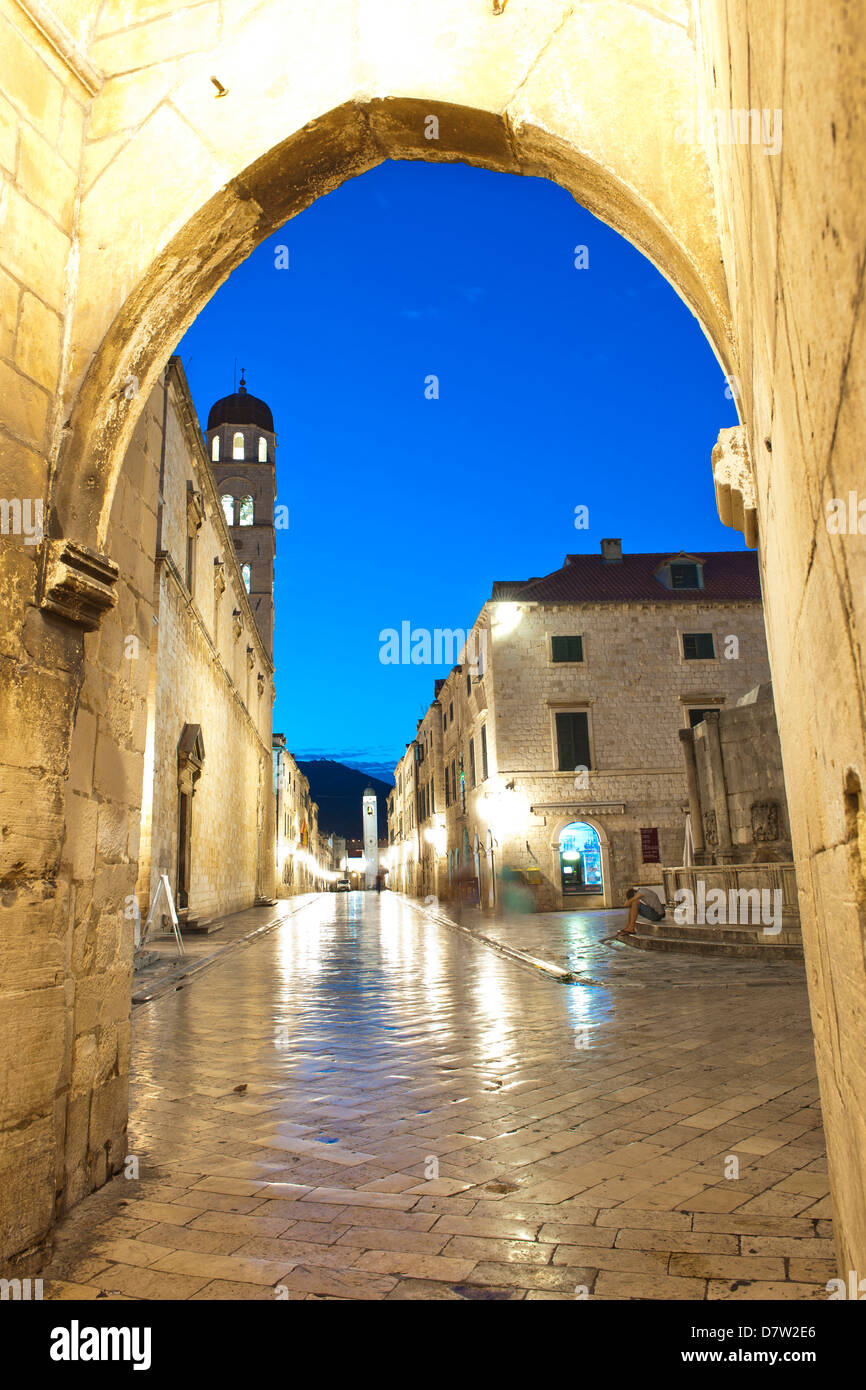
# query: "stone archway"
563,824
239,122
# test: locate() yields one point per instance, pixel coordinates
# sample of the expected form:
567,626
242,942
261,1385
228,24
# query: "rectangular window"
447,788
567,648
698,646
468,683
696,716
472,762
649,846
572,740
454,781
190,563
484,752
451,711
432,795
684,577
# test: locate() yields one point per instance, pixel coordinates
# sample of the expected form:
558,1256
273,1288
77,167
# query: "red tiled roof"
729,575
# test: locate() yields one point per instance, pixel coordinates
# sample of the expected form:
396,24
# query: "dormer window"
681,572
685,576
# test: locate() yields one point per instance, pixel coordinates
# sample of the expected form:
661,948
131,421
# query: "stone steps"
743,942
668,929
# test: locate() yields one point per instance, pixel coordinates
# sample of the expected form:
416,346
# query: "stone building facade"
552,749
206,817
303,856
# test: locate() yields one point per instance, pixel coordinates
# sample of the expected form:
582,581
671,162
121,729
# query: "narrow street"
365,1103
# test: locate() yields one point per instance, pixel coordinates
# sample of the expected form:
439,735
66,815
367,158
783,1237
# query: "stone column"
687,743
720,800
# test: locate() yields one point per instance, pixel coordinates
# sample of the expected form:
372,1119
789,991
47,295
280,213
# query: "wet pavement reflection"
364,1103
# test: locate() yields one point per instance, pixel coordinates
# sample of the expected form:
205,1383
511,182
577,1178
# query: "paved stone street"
366,1103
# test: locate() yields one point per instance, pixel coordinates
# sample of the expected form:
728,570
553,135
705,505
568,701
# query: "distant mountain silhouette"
338,790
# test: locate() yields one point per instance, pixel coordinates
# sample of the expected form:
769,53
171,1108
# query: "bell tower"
371,837
241,446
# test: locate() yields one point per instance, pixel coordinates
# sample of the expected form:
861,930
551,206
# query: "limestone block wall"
229,801
637,688
42,116
96,872
295,811
633,681
208,668
650,800
791,233
753,775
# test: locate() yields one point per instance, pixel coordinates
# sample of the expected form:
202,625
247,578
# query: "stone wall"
300,850
753,783
637,688
791,236
210,668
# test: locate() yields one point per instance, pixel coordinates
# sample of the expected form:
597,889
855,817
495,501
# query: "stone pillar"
720,799
687,743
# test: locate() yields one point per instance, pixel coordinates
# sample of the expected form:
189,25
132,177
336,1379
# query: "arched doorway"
580,864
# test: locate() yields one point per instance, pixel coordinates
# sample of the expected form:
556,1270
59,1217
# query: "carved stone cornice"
735,483
77,583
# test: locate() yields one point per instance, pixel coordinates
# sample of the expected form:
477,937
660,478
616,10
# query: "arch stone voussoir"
221,233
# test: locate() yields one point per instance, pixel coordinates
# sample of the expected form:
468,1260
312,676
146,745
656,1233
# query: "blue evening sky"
558,387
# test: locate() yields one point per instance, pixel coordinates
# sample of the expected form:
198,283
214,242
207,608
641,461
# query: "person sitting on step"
644,903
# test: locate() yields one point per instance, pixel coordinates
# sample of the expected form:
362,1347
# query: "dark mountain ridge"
339,790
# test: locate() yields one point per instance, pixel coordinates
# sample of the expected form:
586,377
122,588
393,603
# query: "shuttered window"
684,577
567,648
572,740
698,646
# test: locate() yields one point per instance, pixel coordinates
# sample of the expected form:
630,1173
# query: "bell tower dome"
241,446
